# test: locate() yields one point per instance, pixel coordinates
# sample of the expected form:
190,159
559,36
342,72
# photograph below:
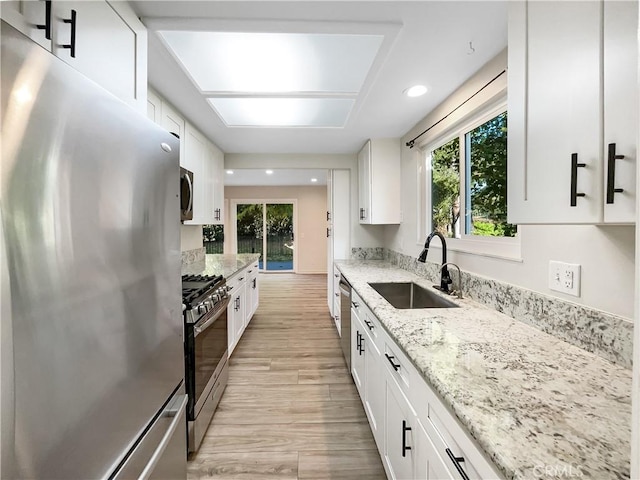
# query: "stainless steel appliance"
345,319
91,327
186,194
206,359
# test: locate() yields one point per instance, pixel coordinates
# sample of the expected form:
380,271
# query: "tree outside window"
484,152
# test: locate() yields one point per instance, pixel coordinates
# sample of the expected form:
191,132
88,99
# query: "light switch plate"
564,277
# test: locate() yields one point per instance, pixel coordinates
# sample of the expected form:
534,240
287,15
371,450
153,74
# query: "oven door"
186,194
206,356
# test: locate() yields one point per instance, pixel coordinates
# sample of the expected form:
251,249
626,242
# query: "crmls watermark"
557,471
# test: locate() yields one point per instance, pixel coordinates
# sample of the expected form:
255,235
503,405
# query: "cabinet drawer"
397,365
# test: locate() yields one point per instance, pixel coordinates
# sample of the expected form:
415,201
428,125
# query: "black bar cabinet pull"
368,324
611,173
405,429
328,216
328,232
396,366
574,179
361,346
71,46
217,214
457,461
355,304
362,214
47,20
358,340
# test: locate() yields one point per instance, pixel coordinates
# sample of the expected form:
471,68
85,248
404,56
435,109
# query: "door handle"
72,44
405,447
176,414
396,366
611,173
574,179
47,20
457,461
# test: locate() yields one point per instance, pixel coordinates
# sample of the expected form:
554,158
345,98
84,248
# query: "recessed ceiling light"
314,180
415,91
268,172
229,172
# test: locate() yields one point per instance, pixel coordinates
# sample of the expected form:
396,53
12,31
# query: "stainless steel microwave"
186,195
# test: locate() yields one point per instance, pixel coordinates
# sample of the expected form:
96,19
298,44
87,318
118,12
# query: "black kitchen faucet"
445,279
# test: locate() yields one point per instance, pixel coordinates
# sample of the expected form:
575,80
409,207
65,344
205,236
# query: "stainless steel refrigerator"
91,330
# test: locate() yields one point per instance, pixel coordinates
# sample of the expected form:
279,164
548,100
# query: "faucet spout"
445,278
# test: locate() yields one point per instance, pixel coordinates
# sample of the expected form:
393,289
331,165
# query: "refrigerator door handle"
172,412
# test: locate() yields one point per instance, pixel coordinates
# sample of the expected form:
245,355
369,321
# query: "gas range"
205,345
202,294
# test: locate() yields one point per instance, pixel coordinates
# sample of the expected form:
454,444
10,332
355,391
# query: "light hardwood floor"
290,410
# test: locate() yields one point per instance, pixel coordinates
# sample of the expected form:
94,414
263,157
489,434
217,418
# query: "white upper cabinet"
173,122
196,159
215,173
379,181
620,110
568,100
154,107
31,18
104,41
198,155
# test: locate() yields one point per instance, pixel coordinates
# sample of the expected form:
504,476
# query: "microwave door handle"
190,192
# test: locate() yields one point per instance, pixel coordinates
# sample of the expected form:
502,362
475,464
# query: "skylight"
283,112
277,79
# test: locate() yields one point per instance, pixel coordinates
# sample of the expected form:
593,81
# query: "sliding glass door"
267,229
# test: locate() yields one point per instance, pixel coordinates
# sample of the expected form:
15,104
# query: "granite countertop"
535,404
218,264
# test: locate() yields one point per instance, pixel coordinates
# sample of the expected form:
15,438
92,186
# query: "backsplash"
367,253
193,256
606,335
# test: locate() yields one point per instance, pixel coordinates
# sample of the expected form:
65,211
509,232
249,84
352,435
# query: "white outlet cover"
564,277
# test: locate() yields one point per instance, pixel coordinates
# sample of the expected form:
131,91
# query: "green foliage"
250,220
487,183
445,192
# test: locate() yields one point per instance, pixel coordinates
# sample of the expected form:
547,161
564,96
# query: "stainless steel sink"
405,295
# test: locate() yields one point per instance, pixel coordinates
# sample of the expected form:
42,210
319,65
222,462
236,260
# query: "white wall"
190,237
311,239
361,235
606,254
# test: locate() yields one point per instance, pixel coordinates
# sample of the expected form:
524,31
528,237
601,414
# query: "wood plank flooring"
290,409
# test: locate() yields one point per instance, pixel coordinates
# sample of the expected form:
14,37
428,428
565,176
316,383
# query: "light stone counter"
539,407
225,265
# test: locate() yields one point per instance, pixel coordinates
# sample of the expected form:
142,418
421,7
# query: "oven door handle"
197,330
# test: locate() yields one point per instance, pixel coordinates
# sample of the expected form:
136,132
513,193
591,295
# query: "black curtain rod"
410,143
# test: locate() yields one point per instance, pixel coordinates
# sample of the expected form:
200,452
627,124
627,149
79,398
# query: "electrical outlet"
564,277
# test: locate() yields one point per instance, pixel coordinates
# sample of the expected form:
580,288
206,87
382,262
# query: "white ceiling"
425,42
279,177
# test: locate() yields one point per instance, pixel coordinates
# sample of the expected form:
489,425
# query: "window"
466,186
213,238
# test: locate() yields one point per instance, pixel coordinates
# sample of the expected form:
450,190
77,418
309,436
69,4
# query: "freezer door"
162,452
90,222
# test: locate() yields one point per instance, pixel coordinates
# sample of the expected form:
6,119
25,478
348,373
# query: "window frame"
500,247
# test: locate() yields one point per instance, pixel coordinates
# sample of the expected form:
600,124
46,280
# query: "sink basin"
405,295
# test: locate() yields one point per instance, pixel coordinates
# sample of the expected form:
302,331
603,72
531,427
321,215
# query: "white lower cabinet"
399,435
429,464
244,297
357,353
416,435
252,290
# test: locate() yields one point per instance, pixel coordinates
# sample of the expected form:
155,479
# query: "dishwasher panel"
345,320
